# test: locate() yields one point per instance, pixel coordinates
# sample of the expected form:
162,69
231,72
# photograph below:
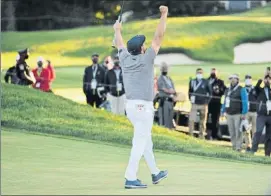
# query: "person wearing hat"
263,115
252,111
199,96
42,76
236,107
115,88
214,108
11,74
23,71
137,65
92,80
51,69
167,92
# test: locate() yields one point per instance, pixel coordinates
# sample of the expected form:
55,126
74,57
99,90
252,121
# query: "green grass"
259,12
204,38
31,110
35,164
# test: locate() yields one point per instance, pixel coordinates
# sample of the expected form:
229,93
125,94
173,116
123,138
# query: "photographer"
218,89
115,88
11,74
93,79
264,114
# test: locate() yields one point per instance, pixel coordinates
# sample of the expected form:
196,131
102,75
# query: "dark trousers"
262,121
91,99
214,111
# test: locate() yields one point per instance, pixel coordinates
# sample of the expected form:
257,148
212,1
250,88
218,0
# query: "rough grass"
35,111
204,38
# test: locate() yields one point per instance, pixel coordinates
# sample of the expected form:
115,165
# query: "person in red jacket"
52,73
42,76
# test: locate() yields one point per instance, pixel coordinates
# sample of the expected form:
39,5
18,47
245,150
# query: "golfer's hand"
163,9
117,25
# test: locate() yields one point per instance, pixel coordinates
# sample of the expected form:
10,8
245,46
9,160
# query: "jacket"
238,101
252,98
262,99
88,77
12,75
201,93
42,79
218,89
24,73
111,82
52,73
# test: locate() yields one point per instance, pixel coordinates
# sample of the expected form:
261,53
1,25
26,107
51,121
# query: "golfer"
137,64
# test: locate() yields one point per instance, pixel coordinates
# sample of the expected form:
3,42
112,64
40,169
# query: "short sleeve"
160,84
123,54
150,55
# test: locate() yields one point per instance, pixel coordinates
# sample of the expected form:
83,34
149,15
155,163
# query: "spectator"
236,107
166,91
93,79
23,71
252,111
218,89
108,63
155,83
52,73
199,96
11,74
115,88
42,76
264,115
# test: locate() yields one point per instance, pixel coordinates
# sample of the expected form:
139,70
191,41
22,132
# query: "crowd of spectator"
40,78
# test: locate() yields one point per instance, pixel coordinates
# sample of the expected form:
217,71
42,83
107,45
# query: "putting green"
36,164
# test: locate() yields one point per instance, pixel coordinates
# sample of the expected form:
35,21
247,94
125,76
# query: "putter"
119,19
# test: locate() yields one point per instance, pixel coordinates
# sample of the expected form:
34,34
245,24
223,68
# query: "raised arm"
118,37
160,31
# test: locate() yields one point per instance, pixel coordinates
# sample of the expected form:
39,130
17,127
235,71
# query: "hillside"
34,111
198,37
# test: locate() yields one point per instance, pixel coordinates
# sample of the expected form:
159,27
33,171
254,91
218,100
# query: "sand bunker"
175,59
252,53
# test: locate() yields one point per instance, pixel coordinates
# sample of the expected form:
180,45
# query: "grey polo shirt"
138,74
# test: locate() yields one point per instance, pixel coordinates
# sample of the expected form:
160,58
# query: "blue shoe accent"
134,185
157,178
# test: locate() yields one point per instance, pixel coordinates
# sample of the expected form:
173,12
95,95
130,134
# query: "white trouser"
141,115
117,104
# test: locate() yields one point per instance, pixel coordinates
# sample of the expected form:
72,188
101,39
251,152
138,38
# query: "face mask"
164,73
267,84
248,82
213,75
95,61
199,76
39,64
116,63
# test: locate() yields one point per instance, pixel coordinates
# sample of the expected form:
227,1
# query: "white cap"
40,59
234,76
